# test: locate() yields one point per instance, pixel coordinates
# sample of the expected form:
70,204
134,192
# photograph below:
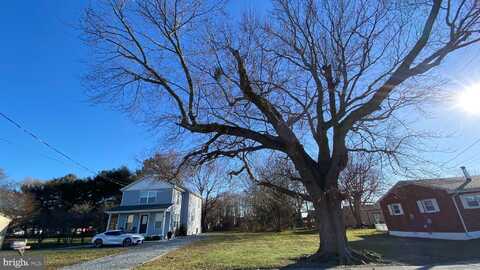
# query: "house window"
129,223
428,206
395,209
471,201
158,221
147,197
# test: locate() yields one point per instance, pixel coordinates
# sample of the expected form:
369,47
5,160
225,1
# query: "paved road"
135,256
460,266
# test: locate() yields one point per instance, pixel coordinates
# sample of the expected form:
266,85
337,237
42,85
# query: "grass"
55,259
49,243
228,251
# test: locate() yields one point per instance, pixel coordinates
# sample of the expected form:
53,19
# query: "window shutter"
435,204
420,207
390,210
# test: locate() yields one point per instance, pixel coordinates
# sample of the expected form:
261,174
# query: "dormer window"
147,197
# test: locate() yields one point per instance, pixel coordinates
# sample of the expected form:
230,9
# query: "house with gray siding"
4,221
153,208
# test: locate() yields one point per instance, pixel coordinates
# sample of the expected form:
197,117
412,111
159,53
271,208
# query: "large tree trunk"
333,239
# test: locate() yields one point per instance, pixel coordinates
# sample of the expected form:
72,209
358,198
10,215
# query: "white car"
117,237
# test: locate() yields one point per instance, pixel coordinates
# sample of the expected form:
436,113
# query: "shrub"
182,231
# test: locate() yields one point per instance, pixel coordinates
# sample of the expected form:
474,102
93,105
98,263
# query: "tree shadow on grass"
409,251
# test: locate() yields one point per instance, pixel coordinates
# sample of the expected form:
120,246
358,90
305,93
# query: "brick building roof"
449,184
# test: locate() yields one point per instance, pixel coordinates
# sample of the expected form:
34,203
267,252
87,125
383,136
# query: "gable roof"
149,182
450,185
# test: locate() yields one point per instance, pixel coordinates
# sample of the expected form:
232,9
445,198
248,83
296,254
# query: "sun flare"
469,99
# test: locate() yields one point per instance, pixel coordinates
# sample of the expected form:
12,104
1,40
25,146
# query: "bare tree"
316,81
361,182
164,166
209,182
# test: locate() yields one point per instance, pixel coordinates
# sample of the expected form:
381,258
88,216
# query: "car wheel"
127,242
98,243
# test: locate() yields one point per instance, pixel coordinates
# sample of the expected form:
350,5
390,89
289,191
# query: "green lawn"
225,251
58,258
49,243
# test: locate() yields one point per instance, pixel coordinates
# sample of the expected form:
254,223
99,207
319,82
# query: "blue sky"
40,69
42,60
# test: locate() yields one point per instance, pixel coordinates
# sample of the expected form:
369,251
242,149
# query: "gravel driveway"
135,256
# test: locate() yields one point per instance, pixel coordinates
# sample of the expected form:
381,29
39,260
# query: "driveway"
135,256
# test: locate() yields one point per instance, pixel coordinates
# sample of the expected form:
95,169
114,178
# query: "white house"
153,208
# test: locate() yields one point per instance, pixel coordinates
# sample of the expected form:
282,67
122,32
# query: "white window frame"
391,209
149,196
423,209
464,200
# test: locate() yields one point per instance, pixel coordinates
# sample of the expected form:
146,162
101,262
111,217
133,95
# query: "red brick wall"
471,217
412,220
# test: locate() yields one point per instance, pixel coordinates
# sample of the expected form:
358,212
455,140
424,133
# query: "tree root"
348,257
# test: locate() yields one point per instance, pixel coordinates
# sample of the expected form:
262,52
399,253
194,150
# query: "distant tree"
315,81
66,204
209,181
274,196
164,166
2,174
361,183
82,215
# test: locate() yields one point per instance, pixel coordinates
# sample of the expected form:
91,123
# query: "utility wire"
461,152
38,153
56,150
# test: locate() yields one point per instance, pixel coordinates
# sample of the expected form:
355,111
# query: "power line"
56,150
26,148
461,152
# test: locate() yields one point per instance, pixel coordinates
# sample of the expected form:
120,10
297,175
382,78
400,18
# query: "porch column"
164,219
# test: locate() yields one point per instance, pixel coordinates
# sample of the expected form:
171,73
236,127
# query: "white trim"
465,203
140,222
109,219
438,235
459,213
423,209
391,209
138,211
148,198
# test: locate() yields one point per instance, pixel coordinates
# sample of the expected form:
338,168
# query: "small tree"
315,81
361,183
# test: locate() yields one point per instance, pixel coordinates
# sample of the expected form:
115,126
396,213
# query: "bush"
182,231
148,238
156,238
